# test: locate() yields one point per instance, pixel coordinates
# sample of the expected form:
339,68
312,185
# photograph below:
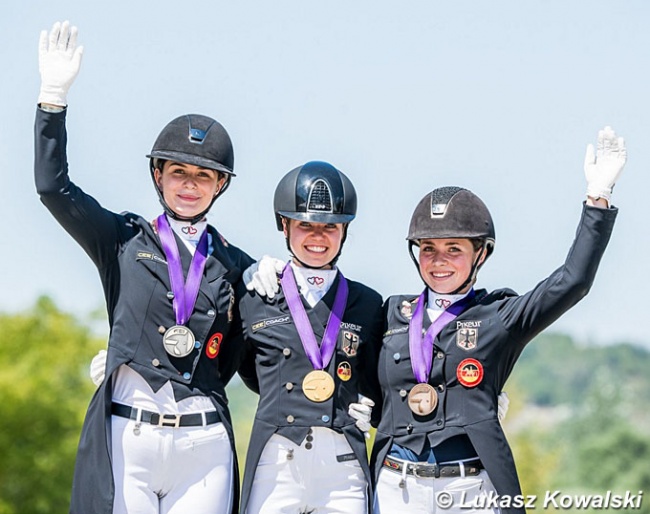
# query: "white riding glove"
502,406
604,164
59,59
262,276
98,368
361,412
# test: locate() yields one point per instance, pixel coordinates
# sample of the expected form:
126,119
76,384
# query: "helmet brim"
186,158
317,217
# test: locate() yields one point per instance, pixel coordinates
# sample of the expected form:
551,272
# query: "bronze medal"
178,341
318,385
423,399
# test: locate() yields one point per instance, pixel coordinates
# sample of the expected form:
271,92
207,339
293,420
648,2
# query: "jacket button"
211,313
325,418
286,352
403,393
308,446
197,344
439,422
161,329
441,388
170,295
155,362
187,376
290,418
396,356
440,355
289,386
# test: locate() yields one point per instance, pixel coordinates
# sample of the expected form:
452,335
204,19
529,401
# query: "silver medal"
178,341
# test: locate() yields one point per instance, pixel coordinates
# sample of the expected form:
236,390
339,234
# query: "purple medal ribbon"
319,357
185,293
421,350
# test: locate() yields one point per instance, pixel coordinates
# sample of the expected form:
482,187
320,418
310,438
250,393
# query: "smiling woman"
169,285
445,264
315,245
187,189
311,350
447,352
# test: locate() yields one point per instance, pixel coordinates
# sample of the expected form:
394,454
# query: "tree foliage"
44,392
603,444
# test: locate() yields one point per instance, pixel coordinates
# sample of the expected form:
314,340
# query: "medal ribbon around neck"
421,349
319,357
185,292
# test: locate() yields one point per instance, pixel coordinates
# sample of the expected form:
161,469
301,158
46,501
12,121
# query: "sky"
499,97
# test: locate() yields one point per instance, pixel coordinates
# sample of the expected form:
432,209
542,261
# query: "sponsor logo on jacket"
270,322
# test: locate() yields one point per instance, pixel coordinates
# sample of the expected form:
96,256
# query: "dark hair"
477,243
160,163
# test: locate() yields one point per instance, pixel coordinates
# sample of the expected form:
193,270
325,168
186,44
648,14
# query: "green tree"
44,393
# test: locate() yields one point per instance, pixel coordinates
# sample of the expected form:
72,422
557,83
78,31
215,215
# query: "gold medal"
318,386
178,341
423,399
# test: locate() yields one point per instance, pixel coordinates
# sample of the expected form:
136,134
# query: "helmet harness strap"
172,214
471,277
304,264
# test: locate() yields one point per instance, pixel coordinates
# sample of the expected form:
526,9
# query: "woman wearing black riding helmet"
157,437
313,351
447,352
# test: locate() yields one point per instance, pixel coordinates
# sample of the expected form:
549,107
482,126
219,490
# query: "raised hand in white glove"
262,276
361,412
502,406
59,59
604,164
98,368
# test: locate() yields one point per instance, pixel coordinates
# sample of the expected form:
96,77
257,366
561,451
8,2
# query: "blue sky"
500,97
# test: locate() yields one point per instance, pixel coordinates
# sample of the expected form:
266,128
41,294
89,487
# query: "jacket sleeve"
527,315
97,230
369,353
247,370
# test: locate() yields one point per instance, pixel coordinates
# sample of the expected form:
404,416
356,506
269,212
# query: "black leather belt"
425,470
165,420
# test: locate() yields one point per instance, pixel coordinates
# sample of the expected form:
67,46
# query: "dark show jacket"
493,330
133,271
276,365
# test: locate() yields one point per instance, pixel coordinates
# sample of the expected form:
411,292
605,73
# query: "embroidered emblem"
316,281
344,371
351,326
214,345
190,231
350,343
270,322
393,331
467,338
470,372
443,303
148,256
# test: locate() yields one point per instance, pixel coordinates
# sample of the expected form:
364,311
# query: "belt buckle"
425,470
169,420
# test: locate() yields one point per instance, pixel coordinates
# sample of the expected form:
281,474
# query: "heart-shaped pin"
189,230
443,303
316,281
